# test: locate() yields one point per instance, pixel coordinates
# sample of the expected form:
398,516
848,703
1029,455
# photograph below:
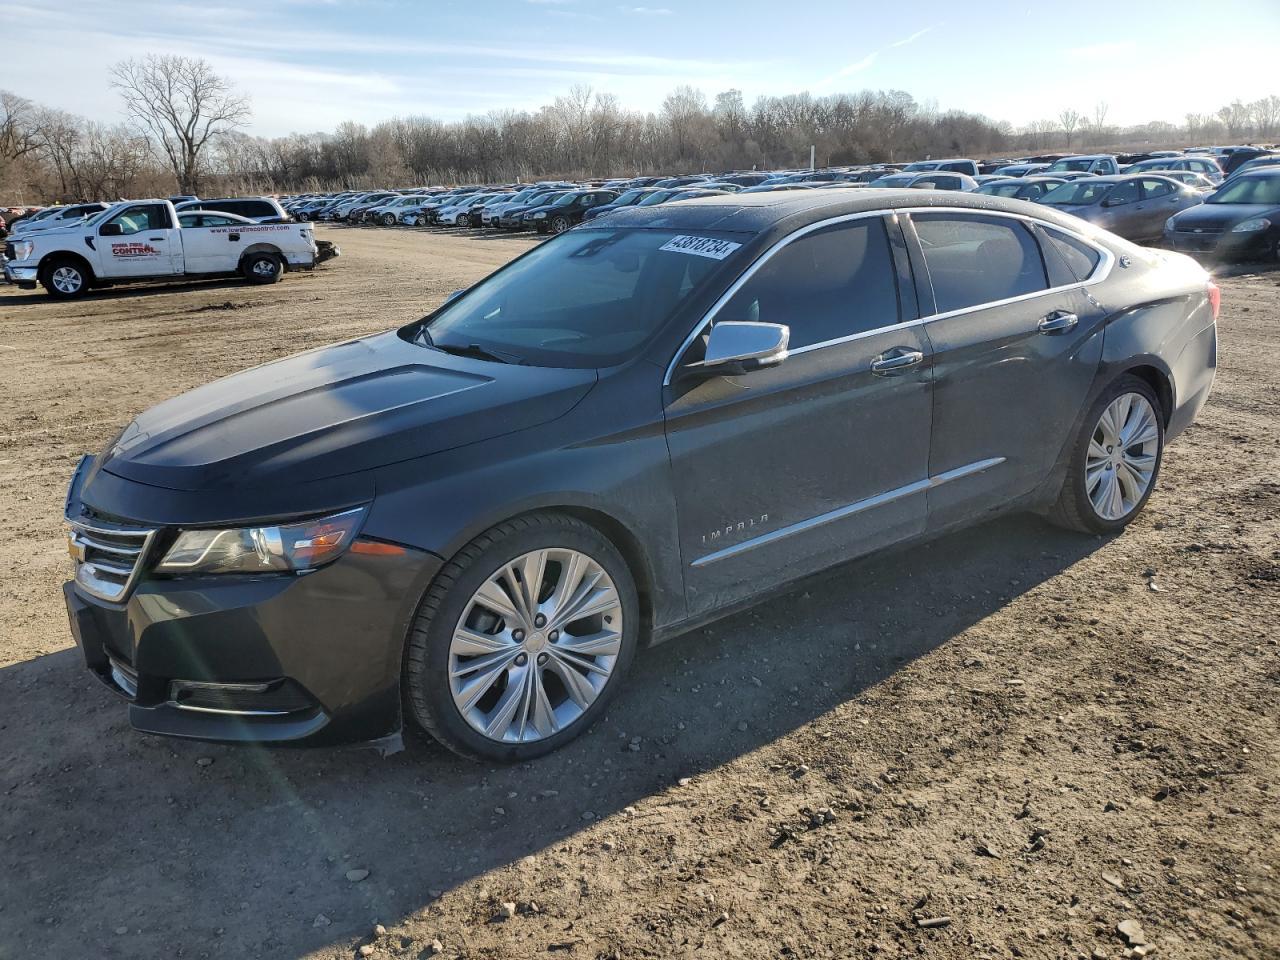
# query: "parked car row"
1132,195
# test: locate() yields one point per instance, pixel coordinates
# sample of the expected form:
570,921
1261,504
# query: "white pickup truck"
149,240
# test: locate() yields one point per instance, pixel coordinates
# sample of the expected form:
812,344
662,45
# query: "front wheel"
388,219
522,639
559,224
1113,468
262,268
65,279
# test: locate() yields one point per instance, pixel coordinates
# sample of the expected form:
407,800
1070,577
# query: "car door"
1160,201
140,241
211,242
784,470
1014,355
1122,211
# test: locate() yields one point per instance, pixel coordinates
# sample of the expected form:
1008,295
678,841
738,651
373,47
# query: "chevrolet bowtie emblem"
75,548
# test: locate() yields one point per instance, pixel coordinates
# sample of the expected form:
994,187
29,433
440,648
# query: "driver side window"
833,283
1126,192
144,217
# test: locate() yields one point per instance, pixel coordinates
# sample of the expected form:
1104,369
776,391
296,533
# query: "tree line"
186,123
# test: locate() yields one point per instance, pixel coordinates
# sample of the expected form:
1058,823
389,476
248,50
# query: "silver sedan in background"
1134,206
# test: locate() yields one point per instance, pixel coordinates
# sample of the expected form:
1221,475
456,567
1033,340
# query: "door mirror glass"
743,346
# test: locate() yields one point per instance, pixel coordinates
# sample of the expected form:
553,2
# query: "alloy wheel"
1123,452
535,646
264,267
67,280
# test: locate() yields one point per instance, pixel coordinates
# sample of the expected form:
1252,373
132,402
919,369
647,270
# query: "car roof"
792,209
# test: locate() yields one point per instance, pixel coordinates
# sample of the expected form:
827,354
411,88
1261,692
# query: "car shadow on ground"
206,850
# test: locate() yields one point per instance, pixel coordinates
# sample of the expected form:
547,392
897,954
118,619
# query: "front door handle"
900,358
1059,322
153,239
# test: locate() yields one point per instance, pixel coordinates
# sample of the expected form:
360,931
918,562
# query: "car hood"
334,411
1220,216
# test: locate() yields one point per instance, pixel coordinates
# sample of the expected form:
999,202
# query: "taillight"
1215,299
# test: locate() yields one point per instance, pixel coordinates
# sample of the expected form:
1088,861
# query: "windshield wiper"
473,350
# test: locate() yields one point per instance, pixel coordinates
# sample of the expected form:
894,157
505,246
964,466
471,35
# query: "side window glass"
1126,192
975,260
1077,257
829,284
136,219
1155,188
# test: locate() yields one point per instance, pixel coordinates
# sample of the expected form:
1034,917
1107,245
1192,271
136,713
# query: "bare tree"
183,105
18,136
1069,120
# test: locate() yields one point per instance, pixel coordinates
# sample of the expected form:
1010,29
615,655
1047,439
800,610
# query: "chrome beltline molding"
840,513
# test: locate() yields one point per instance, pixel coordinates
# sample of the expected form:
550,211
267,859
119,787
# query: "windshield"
923,165
630,197
895,181
1078,192
588,298
657,197
1082,164
566,199
1264,190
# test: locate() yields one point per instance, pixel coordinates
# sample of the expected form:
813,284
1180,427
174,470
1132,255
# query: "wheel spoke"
575,684
469,643
571,660
532,569
509,703
495,596
541,717
606,643
471,692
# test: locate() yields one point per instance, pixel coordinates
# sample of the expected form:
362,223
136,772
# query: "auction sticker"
701,246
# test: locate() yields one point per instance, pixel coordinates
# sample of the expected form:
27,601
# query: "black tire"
1073,509
65,278
428,702
388,219
302,216
262,267
559,224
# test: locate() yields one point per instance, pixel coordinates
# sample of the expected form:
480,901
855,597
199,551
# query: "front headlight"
1252,226
285,548
539,215
22,249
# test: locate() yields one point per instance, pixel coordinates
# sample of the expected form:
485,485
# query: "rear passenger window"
1079,259
1155,188
974,260
829,284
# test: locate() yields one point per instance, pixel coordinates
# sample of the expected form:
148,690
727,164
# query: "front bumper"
1224,245
24,277
312,659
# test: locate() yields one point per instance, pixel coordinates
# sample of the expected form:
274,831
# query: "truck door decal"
134,250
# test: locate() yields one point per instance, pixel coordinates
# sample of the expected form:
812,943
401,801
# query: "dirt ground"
1001,744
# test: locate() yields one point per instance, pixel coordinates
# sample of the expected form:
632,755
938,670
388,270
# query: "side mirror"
738,347
111,230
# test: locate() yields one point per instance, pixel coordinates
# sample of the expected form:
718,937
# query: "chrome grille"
108,556
9,252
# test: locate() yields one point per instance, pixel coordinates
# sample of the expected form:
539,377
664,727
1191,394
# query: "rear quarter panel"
1160,316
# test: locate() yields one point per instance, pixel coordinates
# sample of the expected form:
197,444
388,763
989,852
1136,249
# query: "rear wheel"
522,639
1116,460
65,278
262,268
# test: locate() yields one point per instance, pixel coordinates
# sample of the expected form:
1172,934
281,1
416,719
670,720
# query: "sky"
308,65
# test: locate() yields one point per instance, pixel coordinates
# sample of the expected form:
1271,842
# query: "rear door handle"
891,361
1059,322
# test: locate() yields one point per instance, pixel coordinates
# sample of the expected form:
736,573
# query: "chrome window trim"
878,500
1100,273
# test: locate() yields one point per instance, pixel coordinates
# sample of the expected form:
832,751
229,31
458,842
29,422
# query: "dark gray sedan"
1134,206
470,524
